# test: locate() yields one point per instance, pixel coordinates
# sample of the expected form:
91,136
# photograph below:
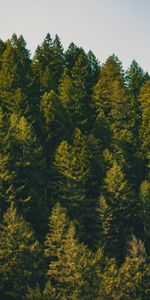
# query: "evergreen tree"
55,120
65,280
74,140
145,126
71,55
15,76
111,73
75,91
20,256
135,78
133,276
27,165
71,171
34,293
94,67
48,64
96,172
131,279
104,97
2,48
145,203
6,187
118,212
58,225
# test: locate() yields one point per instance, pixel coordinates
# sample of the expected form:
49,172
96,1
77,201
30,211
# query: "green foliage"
75,91
71,164
118,211
34,294
67,259
103,95
145,202
55,118
135,78
74,142
145,127
27,166
15,76
48,64
20,255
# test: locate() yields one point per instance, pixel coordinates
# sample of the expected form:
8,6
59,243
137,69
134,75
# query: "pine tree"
15,76
135,78
2,48
75,91
58,225
67,260
94,67
48,64
145,211
71,55
20,255
133,276
96,172
145,126
27,165
72,171
104,97
111,72
6,187
118,212
131,279
55,120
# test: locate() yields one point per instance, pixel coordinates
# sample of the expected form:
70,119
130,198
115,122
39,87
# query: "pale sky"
104,26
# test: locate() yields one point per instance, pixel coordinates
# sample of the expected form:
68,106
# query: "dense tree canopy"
74,175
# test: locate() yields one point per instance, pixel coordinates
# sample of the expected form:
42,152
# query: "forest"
74,175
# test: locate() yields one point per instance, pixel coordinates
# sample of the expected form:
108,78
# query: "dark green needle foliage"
20,255
74,175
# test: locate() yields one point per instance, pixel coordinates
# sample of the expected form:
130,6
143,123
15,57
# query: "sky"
103,26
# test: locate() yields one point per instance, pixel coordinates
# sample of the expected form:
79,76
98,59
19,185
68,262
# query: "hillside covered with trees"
74,175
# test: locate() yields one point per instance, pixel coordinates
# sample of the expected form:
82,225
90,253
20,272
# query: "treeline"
74,175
